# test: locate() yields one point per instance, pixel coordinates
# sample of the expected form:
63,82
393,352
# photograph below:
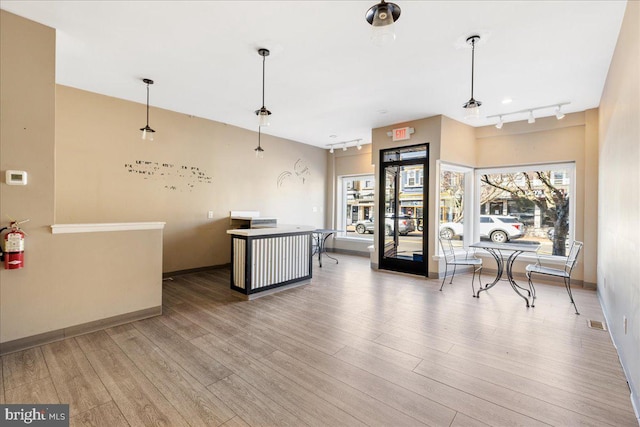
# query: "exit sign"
401,134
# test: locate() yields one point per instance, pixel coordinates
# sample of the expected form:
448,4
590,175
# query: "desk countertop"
281,229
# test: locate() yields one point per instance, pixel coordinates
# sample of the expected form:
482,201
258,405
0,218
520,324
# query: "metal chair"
451,259
565,273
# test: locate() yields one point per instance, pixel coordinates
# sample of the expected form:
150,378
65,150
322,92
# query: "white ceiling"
324,75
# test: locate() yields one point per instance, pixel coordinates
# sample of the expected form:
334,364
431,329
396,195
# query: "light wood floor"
356,347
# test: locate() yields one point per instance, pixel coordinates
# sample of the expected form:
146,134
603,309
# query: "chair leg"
446,267
479,270
454,273
567,284
532,290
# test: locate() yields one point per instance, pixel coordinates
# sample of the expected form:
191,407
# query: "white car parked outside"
498,228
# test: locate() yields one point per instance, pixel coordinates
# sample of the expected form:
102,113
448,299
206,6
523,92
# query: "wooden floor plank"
444,394
23,367
299,401
236,422
1,384
105,415
39,391
369,410
253,406
181,325
199,364
137,398
542,410
396,396
194,402
76,381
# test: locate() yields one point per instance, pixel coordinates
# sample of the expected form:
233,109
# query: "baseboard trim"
195,270
348,252
73,331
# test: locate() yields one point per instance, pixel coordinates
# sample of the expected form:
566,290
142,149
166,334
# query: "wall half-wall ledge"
102,227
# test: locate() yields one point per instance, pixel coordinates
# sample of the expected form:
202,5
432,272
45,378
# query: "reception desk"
269,258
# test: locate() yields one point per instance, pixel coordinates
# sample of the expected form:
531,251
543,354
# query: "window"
455,184
356,197
534,203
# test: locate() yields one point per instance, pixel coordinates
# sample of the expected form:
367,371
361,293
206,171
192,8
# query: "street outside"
412,242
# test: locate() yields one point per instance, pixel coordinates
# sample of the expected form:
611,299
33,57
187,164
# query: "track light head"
500,123
559,114
531,118
331,150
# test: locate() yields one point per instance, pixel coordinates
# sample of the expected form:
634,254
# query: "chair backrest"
573,256
447,249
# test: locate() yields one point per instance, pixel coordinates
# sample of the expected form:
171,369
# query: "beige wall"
67,279
98,178
458,143
27,84
619,201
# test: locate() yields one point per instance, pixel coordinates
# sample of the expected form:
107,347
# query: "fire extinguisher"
13,244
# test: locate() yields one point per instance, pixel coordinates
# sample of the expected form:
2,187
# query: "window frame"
341,203
570,167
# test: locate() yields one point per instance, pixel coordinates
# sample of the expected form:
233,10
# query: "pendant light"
381,17
472,106
147,132
259,150
263,114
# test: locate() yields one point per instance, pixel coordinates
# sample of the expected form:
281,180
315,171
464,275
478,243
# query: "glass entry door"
404,174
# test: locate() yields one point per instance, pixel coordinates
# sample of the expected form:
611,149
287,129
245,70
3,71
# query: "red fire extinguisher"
13,243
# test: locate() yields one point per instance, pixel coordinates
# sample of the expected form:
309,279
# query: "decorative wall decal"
300,173
174,177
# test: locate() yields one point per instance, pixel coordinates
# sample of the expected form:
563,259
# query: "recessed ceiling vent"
595,324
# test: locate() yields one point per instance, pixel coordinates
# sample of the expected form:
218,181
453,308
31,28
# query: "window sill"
355,239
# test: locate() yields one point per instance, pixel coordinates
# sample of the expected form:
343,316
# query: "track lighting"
147,132
472,106
345,145
262,113
531,118
381,17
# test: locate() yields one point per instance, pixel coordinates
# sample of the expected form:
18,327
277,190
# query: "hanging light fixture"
147,131
259,150
359,144
500,123
263,114
472,106
531,118
381,17
559,114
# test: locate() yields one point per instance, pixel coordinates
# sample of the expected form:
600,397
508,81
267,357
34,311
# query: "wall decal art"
171,176
300,173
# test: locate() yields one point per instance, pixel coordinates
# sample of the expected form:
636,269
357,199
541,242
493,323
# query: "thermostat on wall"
16,178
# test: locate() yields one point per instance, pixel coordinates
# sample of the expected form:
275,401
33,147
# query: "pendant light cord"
147,104
263,62
473,55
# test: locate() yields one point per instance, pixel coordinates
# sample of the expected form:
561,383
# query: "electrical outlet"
210,214
624,324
